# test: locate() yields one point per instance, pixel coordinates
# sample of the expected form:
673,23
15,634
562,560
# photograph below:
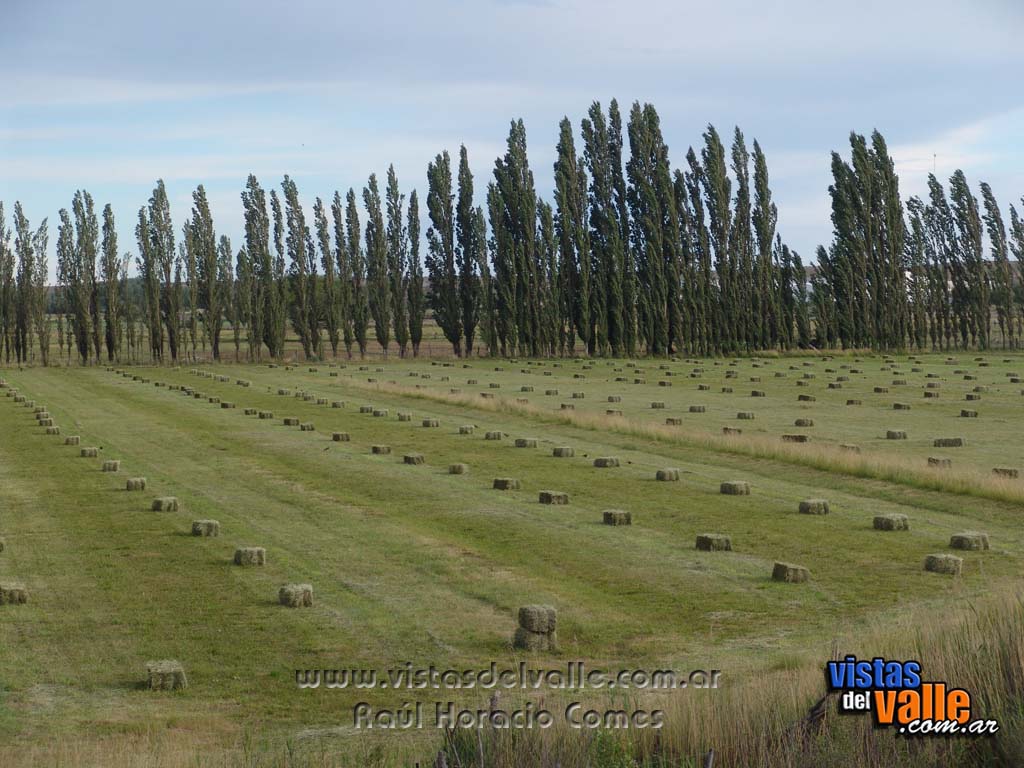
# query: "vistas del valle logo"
896,696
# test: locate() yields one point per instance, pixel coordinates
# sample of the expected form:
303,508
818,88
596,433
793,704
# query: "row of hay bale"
169,674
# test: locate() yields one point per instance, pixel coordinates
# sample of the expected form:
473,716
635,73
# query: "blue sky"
111,96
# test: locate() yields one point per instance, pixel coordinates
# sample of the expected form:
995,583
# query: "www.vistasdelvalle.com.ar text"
574,676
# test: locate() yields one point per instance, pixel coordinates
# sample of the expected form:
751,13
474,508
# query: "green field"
411,563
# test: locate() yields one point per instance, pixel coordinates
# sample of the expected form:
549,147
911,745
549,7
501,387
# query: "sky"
110,96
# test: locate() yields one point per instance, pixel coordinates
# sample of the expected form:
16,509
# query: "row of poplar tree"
632,257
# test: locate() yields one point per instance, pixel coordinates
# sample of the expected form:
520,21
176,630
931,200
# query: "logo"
897,697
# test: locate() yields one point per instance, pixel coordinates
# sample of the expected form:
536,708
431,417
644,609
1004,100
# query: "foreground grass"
408,563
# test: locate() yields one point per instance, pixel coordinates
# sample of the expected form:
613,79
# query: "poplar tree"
264,307
717,189
203,248
468,238
302,273
83,272
7,286
765,306
1002,278
572,231
330,300
416,295
443,296
377,264
398,257
161,236
513,209
149,271
357,261
343,267
110,266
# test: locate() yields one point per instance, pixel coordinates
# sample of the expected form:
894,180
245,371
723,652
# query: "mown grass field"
409,563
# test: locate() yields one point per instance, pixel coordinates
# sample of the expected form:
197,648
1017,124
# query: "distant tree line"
631,257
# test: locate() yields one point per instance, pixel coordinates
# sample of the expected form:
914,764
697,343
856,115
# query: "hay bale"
814,507
380,413
563,452
803,423
541,619
553,497
53,430
614,398
494,436
735,488
166,675
713,542
943,563
111,465
72,440
227,405
402,416
135,484
45,423
12,593
291,421
657,404
506,484
3,544
895,434
668,475
971,396
578,395
673,421
967,414
806,398
939,463
296,595
617,517
757,393
413,458
969,540
698,409
250,411
458,469
250,556
891,522
466,429
431,423
205,528
796,438
745,415
266,415
366,409
380,450
337,404
165,504
525,640
605,462
790,574
731,431
568,407
213,400
948,442
89,453
307,426
853,402
881,390
526,442
1006,472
